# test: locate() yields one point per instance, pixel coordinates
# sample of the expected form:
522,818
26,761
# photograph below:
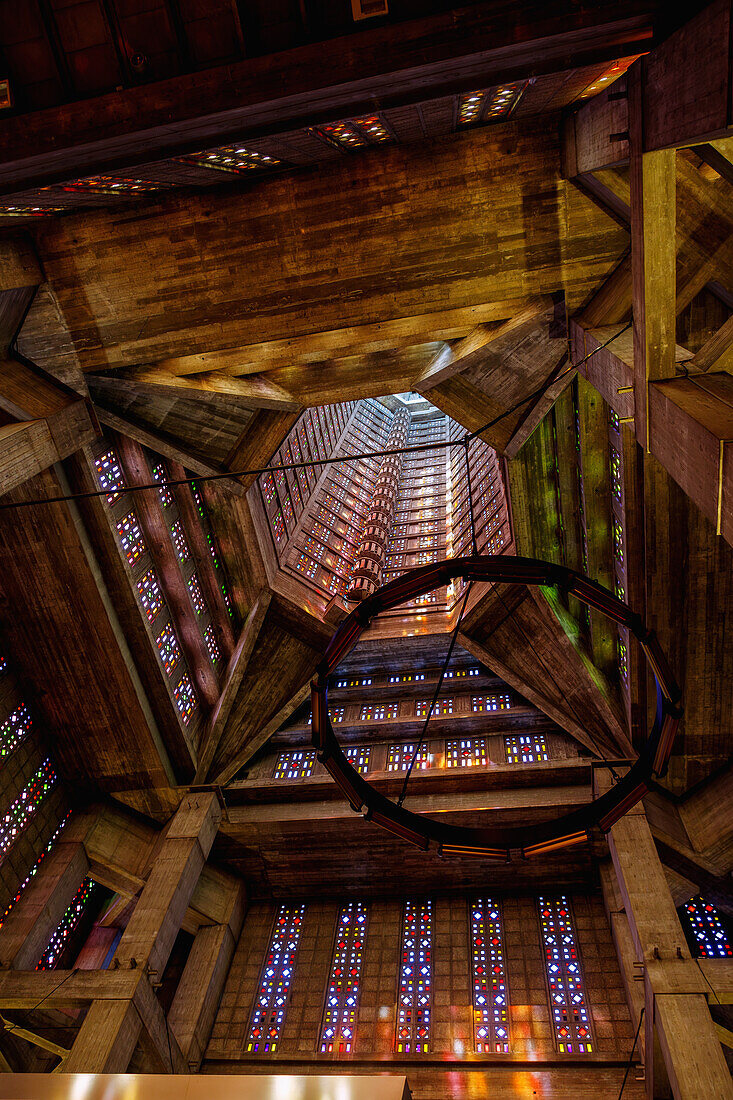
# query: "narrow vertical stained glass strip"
526,748
211,644
707,928
490,995
25,805
179,541
197,596
415,992
31,874
14,730
570,1013
50,957
342,999
268,1013
160,474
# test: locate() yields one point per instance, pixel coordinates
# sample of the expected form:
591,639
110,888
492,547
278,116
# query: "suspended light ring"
499,843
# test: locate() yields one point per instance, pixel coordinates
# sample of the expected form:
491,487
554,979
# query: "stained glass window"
484,703
415,991
185,698
707,928
526,748
131,537
618,541
179,541
109,474
378,713
31,874
615,463
14,729
211,644
268,1013
623,660
570,1013
466,752
614,421
150,595
197,596
359,756
490,995
160,474
25,805
295,765
338,1030
168,648
50,957
231,158
399,757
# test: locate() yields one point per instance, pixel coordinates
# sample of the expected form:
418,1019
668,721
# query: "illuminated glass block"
14,730
488,966
20,811
359,757
415,983
168,648
197,596
707,929
131,538
160,474
466,752
526,748
295,765
273,994
338,1029
179,541
50,958
185,698
568,1006
109,474
400,755
150,595
231,158
211,644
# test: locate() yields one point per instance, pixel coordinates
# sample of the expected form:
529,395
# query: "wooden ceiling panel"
214,272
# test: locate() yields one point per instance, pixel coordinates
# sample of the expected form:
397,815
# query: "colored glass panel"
483,704
131,538
295,765
160,474
707,928
378,712
399,757
466,752
34,870
185,698
179,541
570,1014
338,1030
525,748
25,805
50,957
14,730
268,1014
197,596
109,475
168,648
150,595
359,757
415,992
490,995
211,644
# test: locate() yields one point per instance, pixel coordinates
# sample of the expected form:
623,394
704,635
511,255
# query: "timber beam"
405,63
676,1008
684,86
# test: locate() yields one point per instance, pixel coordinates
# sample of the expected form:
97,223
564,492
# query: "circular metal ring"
496,843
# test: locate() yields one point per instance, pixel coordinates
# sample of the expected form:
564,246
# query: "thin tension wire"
228,475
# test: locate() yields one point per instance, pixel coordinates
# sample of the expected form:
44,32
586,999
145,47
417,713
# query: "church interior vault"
300,303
